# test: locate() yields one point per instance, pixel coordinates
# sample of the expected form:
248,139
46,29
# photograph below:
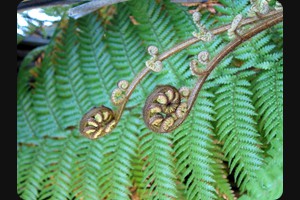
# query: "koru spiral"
97,122
164,107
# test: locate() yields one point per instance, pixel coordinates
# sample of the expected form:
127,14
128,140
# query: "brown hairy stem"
266,20
228,48
215,31
210,67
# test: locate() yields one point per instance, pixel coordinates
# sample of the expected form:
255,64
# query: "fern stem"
215,31
268,20
230,47
211,66
191,41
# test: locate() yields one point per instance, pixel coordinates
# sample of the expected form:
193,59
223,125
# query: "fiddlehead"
203,33
164,107
97,122
118,94
154,64
203,59
259,7
236,22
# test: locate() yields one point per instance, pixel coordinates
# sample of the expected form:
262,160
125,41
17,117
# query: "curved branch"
156,124
268,20
216,31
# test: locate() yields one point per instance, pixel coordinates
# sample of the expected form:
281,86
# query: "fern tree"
229,146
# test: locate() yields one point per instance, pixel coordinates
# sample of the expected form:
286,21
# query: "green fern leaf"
87,170
27,124
237,128
222,185
230,9
159,176
46,101
193,143
270,182
268,88
128,53
181,19
70,83
95,60
114,179
155,28
25,157
59,162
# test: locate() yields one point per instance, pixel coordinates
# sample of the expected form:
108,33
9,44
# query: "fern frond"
269,186
33,183
193,143
27,124
222,185
277,33
25,157
237,128
27,127
87,169
115,177
181,20
268,96
59,163
258,52
127,51
234,128
155,28
230,9
70,82
46,101
158,176
137,174
95,60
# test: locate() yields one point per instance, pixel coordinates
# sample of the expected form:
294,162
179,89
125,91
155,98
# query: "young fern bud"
202,33
164,107
196,17
157,66
123,85
203,58
153,63
118,94
181,110
152,50
167,123
265,8
233,30
259,7
184,92
97,122
195,69
162,99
